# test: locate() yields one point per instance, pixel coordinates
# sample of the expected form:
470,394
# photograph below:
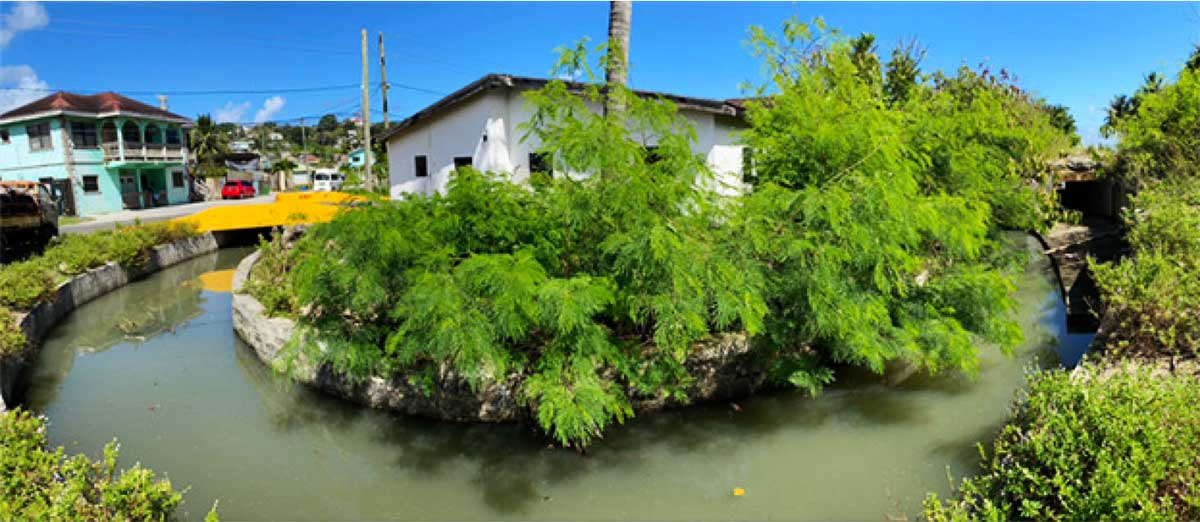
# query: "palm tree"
616,71
283,168
209,144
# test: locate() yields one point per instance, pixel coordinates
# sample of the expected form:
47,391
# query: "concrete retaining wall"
723,367
79,290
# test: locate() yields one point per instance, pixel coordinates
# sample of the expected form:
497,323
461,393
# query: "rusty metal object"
28,219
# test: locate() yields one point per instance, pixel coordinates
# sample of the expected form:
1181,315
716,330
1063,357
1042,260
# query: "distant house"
241,146
478,125
100,153
356,159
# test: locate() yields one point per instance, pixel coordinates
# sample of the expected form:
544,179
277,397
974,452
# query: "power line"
170,92
213,42
256,37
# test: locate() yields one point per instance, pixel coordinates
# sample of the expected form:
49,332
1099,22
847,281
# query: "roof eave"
111,114
489,81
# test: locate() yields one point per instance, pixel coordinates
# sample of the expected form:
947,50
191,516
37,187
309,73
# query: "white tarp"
725,161
491,152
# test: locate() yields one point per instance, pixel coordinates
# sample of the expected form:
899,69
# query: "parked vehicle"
237,189
327,181
28,218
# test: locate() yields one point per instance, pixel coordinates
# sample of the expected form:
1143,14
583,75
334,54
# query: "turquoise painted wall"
18,162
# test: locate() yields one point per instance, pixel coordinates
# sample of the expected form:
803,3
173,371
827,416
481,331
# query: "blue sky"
1077,54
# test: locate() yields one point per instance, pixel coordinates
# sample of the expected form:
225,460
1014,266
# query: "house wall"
18,162
457,131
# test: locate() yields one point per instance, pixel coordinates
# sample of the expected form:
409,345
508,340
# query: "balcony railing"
143,152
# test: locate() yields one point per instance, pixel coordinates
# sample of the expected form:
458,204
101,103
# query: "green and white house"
100,153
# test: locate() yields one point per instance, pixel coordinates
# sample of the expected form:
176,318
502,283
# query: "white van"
327,180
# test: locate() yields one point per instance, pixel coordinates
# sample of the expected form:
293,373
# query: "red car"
237,190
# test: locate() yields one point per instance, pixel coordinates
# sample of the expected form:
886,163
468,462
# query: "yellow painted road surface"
289,208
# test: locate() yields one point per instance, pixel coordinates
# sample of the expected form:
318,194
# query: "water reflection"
160,304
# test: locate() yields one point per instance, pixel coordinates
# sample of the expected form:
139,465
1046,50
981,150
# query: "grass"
64,221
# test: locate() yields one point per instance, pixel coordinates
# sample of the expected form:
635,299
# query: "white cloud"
24,16
19,84
231,112
269,108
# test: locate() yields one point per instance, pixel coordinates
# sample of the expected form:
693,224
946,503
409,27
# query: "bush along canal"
157,365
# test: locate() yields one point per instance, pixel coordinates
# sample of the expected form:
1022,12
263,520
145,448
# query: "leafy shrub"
1099,444
1152,300
12,339
269,281
24,284
591,290
44,484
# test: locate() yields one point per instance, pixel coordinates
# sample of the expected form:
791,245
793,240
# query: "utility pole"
383,78
366,118
304,147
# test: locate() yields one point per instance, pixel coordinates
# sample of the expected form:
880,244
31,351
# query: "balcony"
143,152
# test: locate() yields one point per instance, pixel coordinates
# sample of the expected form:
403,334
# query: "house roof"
103,104
732,108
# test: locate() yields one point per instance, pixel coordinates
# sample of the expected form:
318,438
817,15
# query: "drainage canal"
157,365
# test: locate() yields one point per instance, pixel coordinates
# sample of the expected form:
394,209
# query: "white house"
478,125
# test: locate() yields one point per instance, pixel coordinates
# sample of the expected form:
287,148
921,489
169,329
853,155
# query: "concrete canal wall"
723,367
81,289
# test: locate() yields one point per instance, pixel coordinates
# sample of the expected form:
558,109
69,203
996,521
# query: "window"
421,166
539,162
172,136
39,136
177,179
91,184
83,134
3,135
462,161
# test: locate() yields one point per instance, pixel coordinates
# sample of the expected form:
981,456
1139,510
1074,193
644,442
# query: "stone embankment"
1069,246
80,289
723,367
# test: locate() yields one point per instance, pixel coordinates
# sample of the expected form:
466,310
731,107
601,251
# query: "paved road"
127,217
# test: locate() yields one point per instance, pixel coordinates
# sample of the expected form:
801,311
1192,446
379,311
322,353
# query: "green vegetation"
44,484
1120,437
1153,298
210,144
1159,128
24,284
1116,444
870,238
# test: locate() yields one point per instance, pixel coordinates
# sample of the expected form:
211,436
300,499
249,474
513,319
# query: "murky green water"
157,365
